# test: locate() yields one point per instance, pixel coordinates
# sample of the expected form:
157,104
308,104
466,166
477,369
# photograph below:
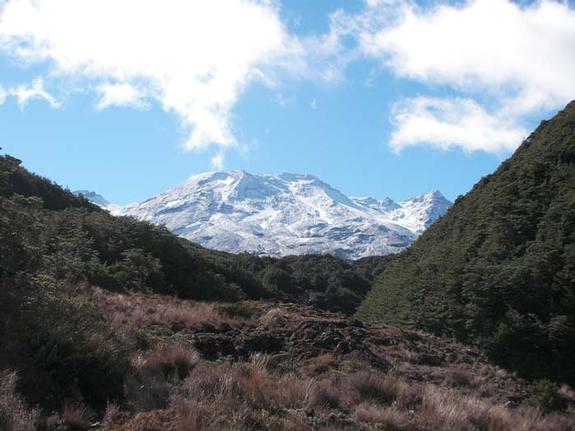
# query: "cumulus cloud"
485,43
499,61
123,95
448,123
193,58
2,96
26,92
518,55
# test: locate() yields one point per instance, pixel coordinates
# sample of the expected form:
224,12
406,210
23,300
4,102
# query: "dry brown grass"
76,417
422,382
244,385
390,418
448,409
173,360
226,396
136,311
112,416
192,417
14,414
458,378
236,396
325,394
373,387
319,364
155,372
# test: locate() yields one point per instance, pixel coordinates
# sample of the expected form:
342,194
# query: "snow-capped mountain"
93,197
418,213
286,214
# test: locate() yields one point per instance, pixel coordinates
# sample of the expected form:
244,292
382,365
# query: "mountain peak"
92,197
436,194
285,214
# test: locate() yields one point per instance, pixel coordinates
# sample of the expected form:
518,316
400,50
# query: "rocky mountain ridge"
287,214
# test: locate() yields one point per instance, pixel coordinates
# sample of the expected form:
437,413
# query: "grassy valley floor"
273,366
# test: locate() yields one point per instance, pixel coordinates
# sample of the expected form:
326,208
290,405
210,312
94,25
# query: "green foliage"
20,227
325,281
136,270
71,345
498,269
546,396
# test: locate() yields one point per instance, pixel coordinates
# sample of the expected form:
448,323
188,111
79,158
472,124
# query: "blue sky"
376,98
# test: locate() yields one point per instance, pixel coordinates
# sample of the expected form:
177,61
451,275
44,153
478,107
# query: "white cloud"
448,123
519,57
487,44
313,105
193,57
2,96
218,161
35,90
123,94
502,61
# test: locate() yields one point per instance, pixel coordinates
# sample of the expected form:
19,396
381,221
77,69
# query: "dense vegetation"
54,244
499,268
50,232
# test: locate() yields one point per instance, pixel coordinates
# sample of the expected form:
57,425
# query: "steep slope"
287,214
499,268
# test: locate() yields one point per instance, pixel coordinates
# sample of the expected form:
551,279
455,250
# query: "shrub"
174,360
14,415
73,344
155,372
237,310
458,378
325,394
319,364
391,418
243,384
375,388
548,397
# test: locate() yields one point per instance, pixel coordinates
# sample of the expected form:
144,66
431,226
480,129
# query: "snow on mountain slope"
285,214
418,213
93,197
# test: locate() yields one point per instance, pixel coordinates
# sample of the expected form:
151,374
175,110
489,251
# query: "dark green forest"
498,270
50,234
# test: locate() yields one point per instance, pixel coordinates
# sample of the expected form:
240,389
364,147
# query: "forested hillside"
499,268
48,231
